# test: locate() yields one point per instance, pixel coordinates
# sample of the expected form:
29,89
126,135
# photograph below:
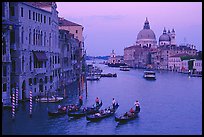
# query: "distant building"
147,53
113,59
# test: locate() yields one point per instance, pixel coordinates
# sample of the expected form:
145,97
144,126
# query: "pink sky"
115,25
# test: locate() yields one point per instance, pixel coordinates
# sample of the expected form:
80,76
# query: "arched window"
41,38
22,35
44,38
30,63
50,40
23,61
33,36
29,39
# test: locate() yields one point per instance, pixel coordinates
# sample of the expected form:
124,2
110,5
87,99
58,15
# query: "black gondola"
85,111
127,116
60,111
102,114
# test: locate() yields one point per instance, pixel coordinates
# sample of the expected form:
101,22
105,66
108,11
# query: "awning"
41,56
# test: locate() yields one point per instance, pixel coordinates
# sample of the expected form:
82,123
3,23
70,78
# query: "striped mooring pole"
30,103
13,103
16,96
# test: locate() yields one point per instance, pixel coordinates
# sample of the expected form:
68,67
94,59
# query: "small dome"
164,37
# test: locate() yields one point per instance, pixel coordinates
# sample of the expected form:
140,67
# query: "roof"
40,4
180,55
64,22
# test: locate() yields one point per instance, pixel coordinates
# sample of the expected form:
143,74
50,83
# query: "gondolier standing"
114,103
137,104
80,100
97,101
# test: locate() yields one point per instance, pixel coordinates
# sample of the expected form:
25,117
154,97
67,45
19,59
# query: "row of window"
34,81
198,64
35,16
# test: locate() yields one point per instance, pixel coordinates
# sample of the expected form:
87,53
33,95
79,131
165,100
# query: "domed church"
146,37
167,38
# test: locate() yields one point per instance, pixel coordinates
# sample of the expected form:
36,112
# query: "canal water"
170,105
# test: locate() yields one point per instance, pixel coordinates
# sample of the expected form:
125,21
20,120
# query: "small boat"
127,116
124,68
92,78
85,111
60,111
109,75
49,99
149,75
102,113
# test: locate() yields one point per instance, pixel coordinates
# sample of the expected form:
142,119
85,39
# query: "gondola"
85,111
127,116
60,111
102,114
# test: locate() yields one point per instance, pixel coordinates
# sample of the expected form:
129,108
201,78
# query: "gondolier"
137,104
80,100
97,101
113,103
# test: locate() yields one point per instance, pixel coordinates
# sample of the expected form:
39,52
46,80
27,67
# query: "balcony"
40,70
4,79
56,66
74,61
13,46
6,58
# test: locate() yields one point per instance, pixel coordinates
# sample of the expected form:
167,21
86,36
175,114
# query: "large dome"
146,32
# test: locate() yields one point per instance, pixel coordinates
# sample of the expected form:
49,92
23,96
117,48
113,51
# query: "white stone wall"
46,41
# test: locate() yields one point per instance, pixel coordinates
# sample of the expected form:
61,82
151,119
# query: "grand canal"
170,105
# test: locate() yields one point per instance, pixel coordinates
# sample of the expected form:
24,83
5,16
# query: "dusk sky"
115,25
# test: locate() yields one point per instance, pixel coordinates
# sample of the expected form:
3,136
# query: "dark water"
170,105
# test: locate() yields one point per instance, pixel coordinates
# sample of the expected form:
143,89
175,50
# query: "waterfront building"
174,62
197,66
65,58
8,43
35,56
146,37
77,31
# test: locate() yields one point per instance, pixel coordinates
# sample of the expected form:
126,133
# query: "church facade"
147,53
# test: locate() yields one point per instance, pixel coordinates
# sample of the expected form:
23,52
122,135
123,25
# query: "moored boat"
102,113
109,75
92,78
49,99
